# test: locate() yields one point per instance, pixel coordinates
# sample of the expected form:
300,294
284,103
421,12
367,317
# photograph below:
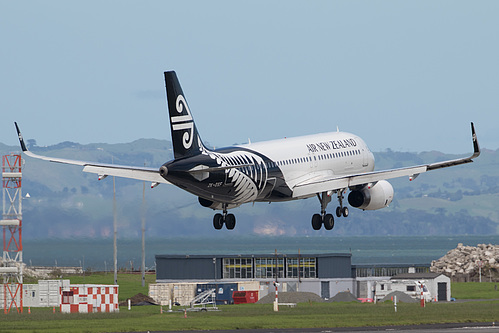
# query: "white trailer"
412,288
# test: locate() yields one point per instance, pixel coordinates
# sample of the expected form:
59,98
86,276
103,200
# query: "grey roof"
416,276
260,255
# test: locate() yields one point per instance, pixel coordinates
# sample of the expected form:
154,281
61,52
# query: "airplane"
320,165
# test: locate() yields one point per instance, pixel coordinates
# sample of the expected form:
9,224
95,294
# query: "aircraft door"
312,161
365,160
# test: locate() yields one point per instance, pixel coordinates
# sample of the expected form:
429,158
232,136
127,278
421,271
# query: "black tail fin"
186,139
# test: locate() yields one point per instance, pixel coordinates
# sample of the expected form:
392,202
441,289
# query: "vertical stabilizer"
186,140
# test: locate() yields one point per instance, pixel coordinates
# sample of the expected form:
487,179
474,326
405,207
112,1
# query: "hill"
65,202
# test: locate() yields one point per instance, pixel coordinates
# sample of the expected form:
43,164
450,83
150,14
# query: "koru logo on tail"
183,123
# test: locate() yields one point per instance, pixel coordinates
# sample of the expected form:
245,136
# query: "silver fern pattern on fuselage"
249,175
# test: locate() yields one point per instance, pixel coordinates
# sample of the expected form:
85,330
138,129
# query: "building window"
67,297
238,268
306,268
265,268
387,271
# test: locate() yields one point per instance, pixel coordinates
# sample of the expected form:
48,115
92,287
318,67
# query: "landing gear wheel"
338,211
316,222
218,221
230,221
345,211
328,222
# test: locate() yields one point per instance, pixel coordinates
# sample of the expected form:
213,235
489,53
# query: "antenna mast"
12,260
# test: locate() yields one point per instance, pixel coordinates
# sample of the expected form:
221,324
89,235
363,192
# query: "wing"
328,183
102,169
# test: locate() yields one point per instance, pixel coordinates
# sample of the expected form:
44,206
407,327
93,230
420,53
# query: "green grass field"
144,318
130,284
475,290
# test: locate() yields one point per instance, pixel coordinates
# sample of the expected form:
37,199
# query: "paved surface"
433,328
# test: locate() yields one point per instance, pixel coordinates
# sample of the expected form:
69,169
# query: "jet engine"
377,197
215,205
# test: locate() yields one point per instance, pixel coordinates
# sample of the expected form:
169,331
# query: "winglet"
476,153
21,140
476,147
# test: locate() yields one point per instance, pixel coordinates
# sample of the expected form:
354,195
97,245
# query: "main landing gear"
327,219
220,219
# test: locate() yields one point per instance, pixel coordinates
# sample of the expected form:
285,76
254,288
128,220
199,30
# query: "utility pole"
276,284
143,267
115,233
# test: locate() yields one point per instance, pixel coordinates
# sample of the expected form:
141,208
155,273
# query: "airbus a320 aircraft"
321,165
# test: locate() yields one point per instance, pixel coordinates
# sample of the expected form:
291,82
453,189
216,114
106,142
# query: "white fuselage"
302,158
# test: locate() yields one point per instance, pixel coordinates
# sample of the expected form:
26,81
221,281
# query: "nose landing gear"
327,219
340,210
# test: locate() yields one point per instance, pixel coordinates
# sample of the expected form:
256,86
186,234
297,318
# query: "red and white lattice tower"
11,268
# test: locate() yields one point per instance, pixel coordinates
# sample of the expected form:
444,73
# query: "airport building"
323,274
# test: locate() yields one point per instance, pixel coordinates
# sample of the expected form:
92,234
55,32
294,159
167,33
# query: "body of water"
97,254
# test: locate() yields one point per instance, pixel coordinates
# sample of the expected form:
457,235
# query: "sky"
404,75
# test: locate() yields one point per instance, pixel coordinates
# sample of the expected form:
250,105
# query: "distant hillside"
65,202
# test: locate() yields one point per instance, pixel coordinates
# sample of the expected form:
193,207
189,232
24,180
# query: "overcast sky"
406,75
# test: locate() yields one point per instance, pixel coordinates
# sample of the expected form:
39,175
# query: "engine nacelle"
215,205
377,197
208,203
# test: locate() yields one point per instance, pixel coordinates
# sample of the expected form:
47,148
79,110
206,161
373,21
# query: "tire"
230,221
328,222
345,211
316,222
338,211
218,221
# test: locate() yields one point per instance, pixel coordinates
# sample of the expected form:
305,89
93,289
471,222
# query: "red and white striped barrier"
88,298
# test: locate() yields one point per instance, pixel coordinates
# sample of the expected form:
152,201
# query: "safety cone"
53,309
185,313
29,309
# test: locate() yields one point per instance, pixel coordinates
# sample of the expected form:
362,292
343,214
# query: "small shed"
438,284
